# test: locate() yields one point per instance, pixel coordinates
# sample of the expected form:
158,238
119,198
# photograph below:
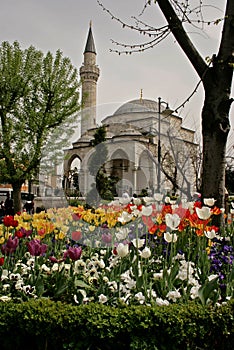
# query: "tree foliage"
104,185
38,93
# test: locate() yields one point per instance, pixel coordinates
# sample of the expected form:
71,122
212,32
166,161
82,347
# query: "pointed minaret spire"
89,73
90,47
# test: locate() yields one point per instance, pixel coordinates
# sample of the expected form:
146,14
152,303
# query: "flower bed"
138,252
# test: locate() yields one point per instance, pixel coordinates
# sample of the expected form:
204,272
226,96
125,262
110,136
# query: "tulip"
146,253
170,237
172,221
209,201
122,250
10,246
125,217
106,238
76,235
73,253
9,221
36,248
210,234
138,243
122,233
147,211
203,213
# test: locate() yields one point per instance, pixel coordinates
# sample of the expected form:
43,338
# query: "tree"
38,93
104,184
178,161
214,74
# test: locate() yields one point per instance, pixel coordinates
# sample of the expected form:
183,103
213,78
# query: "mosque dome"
138,106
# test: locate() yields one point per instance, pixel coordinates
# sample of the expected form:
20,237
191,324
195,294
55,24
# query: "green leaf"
81,284
40,286
206,290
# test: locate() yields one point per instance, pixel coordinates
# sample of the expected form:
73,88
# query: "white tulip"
146,253
203,213
170,237
209,201
125,217
210,234
147,211
122,250
212,277
122,233
172,221
138,243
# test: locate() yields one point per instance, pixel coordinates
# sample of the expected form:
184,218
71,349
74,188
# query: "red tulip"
76,235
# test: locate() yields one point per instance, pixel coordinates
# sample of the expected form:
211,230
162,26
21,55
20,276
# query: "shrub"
43,324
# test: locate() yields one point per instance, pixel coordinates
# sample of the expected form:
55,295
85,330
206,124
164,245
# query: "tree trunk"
17,196
213,168
215,129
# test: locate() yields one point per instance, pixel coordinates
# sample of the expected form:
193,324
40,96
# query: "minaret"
89,74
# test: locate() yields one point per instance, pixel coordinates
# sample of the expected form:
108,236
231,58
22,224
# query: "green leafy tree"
215,74
104,184
38,93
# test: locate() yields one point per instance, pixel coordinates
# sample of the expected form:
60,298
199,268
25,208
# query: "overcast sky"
162,71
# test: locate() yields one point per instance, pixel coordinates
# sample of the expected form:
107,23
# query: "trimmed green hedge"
46,325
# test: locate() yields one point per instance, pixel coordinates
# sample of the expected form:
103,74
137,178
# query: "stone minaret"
89,74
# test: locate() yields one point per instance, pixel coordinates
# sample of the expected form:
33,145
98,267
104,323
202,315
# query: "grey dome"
137,106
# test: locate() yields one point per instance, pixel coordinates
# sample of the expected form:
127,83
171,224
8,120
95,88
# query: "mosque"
147,146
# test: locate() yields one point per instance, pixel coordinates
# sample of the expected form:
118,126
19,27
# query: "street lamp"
160,102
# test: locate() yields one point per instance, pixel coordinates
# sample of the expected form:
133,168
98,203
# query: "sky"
163,71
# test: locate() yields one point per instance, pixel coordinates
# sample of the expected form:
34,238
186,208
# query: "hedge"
45,325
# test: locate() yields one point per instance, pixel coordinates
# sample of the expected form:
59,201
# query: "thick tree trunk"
213,168
17,196
215,129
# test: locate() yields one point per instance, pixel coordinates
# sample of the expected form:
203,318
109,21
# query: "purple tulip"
25,232
106,238
36,248
73,253
10,246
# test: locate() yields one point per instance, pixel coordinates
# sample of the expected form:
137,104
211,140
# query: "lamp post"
160,102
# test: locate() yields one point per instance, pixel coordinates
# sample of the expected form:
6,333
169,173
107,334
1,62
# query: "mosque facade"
147,146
